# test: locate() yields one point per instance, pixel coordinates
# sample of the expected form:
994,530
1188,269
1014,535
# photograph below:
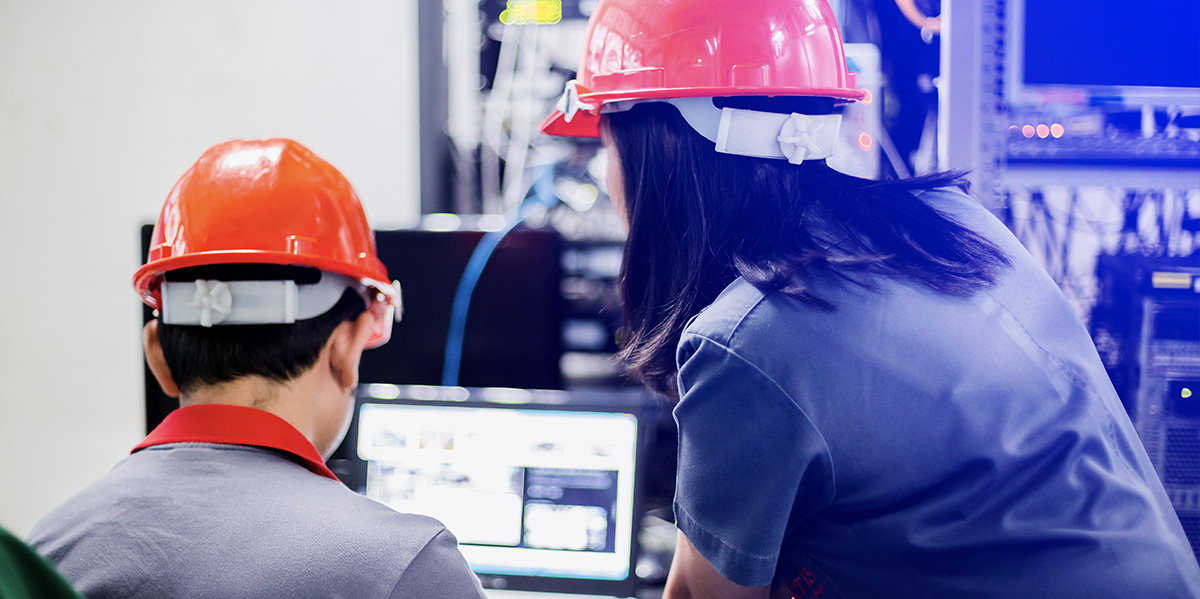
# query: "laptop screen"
538,486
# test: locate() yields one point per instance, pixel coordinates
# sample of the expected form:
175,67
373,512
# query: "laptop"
540,487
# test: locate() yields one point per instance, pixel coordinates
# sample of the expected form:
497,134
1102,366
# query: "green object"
26,575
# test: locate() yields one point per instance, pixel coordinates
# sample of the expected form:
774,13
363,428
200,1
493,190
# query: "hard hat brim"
585,124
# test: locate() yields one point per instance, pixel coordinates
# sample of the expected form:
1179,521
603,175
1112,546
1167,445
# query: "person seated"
267,289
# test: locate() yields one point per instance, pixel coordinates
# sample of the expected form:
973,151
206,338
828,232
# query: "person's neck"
286,400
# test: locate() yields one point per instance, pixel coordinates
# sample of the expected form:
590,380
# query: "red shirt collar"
235,425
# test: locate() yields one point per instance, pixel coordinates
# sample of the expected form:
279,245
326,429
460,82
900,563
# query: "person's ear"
156,360
346,346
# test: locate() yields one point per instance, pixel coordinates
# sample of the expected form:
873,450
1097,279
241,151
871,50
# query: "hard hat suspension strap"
792,137
207,302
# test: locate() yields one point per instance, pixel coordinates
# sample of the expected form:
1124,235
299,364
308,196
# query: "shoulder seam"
783,392
408,568
1081,383
762,296
1047,353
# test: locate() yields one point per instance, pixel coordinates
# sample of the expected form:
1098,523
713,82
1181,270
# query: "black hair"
698,219
200,356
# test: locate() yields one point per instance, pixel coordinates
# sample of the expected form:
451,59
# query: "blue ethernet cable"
543,198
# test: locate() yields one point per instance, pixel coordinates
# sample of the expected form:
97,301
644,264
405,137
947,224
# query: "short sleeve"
750,462
439,571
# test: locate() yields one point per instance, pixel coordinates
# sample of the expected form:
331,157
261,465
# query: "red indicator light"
865,141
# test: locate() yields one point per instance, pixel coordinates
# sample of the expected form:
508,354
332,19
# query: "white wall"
103,105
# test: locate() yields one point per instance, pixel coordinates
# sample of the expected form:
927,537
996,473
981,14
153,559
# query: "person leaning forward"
880,392
267,289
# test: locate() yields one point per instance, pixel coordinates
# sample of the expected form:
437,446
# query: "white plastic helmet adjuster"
398,303
569,103
798,138
792,137
207,303
212,300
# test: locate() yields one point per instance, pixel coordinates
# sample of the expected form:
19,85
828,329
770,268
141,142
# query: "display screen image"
1107,47
526,491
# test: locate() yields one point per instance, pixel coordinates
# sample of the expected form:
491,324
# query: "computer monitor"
513,334
1104,50
540,487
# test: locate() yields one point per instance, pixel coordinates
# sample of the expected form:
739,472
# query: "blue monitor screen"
1112,43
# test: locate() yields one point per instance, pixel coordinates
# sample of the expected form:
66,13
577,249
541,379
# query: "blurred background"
102,107
1078,121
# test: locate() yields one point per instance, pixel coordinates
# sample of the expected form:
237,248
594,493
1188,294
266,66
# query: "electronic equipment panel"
1147,327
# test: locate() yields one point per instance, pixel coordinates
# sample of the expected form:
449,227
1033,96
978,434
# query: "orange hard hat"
267,202
667,49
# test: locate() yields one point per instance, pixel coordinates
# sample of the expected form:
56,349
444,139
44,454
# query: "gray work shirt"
214,520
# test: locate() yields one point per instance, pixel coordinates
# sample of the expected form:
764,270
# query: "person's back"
935,446
209,520
880,394
266,287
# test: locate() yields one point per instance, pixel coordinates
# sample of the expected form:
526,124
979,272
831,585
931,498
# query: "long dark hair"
698,219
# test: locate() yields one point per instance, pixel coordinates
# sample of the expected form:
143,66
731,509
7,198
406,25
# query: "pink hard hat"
666,49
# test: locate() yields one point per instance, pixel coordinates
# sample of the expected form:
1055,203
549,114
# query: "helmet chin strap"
792,137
